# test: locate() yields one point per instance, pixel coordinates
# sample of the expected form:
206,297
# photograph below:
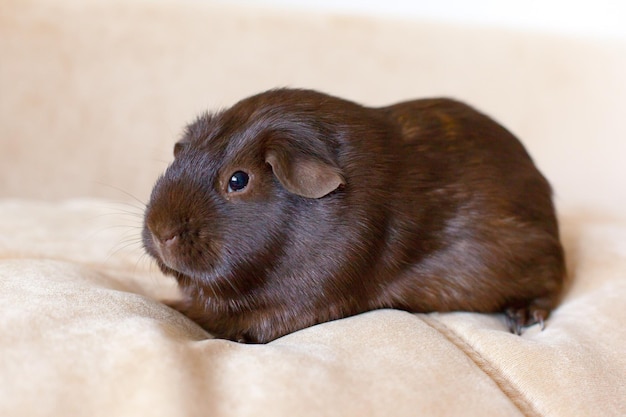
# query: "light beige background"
94,94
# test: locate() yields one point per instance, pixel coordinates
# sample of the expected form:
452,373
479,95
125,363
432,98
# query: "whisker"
126,193
119,213
126,208
124,246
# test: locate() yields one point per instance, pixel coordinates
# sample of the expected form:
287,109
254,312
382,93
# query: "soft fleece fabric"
83,333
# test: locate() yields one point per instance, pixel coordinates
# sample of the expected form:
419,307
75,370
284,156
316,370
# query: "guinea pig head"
219,217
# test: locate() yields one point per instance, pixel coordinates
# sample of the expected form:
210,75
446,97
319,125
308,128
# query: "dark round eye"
238,181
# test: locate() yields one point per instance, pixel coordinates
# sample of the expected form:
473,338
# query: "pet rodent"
293,208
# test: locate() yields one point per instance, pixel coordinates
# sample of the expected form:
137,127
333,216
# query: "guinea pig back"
293,208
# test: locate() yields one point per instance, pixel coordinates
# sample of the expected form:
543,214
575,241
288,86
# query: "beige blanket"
83,333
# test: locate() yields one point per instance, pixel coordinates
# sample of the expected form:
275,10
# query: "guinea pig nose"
167,243
166,238
170,241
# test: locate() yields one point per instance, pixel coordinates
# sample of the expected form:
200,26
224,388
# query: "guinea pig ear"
303,175
180,145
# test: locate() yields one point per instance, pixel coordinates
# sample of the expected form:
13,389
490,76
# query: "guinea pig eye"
238,181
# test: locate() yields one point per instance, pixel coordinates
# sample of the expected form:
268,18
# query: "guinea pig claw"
539,316
515,318
518,318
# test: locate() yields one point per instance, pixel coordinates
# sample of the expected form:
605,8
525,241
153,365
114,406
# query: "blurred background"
94,93
582,17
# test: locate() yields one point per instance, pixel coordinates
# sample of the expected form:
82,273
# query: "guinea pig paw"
539,316
516,319
519,318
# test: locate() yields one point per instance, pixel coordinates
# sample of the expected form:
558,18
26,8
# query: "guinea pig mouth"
174,257
171,263
176,267
175,262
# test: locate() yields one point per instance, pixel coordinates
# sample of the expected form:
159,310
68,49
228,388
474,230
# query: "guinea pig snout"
168,243
180,241
168,238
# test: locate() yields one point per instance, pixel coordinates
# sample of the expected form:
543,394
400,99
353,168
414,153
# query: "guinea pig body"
293,208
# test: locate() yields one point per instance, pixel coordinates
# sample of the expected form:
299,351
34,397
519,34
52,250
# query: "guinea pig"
294,207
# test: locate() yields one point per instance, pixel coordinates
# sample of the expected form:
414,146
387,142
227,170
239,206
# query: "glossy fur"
425,205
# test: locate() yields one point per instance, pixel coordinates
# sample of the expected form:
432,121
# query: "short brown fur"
426,205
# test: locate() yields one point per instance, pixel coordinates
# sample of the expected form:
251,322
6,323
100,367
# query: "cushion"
84,333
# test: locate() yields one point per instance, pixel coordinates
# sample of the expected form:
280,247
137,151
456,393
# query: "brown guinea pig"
294,207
